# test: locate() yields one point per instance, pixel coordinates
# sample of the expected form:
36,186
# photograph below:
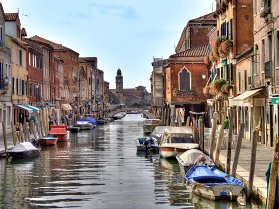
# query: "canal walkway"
263,158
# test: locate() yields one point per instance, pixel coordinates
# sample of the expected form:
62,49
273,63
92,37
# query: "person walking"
226,123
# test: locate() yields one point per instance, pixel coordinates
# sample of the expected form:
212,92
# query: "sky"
123,34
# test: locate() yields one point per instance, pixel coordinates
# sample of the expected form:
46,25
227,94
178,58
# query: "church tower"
119,81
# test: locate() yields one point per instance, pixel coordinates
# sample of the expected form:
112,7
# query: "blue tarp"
89,119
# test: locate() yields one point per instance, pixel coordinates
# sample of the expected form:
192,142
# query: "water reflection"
99,168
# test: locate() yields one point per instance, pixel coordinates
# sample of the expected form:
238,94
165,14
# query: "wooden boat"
150,124
212,183
176,140
24,150
146,142
73,129
59,131
48,140
157,133
187,159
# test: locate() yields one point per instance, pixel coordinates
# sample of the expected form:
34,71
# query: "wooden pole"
219,143
213,134
252,163
188,121
22,139
229,144
4,134
201,133
13,133
237,149
27,132
273,177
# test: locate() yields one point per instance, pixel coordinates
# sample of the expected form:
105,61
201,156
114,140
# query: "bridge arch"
131,109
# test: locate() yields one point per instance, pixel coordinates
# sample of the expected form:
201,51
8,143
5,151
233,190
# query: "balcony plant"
207,61
265,10
219,84
225,48
211,57
183,93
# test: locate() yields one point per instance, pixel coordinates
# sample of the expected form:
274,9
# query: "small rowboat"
146,143
188,158
73,129
48,140
212,183
24,150
59,131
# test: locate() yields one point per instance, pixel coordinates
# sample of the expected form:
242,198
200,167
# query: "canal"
99,169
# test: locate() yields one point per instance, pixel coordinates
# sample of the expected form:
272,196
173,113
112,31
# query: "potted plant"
265,10
225,48
219,84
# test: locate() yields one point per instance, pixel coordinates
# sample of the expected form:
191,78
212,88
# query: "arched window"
184,80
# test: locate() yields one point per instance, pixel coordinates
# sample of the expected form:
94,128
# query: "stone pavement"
263,158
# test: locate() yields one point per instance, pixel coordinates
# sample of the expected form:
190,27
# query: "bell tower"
119,81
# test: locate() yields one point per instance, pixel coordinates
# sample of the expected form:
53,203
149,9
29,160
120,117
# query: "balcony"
268,69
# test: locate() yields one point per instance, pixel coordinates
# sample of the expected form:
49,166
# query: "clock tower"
119,81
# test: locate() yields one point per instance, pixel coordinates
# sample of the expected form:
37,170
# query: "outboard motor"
35,142
147,145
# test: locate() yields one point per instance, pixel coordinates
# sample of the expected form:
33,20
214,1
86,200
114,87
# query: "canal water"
100,169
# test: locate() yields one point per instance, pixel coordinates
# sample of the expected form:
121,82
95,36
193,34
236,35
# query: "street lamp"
203,76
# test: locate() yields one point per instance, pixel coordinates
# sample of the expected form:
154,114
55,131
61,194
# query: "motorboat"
188,158
101,121
157,132
48,140
213,184
146,143
73,129
59,131
149,125
176,140
84,125
119,115
24,150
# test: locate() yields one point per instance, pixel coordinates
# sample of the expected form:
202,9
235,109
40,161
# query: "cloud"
115,10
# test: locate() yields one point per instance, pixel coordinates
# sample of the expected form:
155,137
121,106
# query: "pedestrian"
226,123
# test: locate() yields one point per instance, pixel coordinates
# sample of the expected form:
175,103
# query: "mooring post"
213,134
22,139
4,134
273,177
252,163
219,143
229,143
237,149
13,133
201,134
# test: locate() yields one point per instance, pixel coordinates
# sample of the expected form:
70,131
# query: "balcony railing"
268,69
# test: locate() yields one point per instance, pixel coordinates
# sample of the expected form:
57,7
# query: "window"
30,59
270,47
22,87
231,29
245,80
1,76
17,91
30,90
239,81
13,85
184,80
1,37
224,29
277,48
263,55
20,57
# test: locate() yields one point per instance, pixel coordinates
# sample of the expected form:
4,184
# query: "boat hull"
24,154
219,192
73,129
48,142
166,152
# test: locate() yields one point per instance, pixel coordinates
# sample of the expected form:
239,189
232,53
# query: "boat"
119,116
176,140
73,129
59,131
24,150
101,121
48,140
212,183
150,124
84,125
187,159
146,142
157,132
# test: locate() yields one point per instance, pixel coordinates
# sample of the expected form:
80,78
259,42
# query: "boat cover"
58,130
88,119
158,131
210,176
191,155
24,146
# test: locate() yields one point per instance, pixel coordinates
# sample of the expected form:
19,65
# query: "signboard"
275,100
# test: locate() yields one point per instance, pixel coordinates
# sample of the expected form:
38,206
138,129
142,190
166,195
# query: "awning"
241,99
29,108
66,107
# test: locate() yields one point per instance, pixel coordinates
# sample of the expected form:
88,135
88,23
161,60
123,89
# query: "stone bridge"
143,111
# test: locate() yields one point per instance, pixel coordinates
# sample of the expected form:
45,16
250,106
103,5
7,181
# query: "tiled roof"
204,18
56,46
11,16
193,52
